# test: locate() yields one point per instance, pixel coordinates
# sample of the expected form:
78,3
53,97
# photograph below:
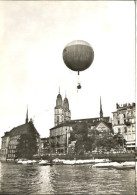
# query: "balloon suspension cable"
79,85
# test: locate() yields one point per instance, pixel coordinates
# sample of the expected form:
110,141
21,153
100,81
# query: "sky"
33,35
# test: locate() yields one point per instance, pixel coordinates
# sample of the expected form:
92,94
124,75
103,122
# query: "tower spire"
27,115
59,89
101,111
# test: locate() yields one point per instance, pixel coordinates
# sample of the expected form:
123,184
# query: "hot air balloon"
78,56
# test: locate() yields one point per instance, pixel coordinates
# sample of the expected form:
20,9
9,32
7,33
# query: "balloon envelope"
78,55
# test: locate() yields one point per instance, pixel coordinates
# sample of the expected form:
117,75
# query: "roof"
109,125
91,121
125,107
23,129
67,123
45,138
7,133
65,99
59,96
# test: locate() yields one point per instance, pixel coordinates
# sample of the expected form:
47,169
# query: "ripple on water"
65,179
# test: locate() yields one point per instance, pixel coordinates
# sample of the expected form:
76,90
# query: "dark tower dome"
59,101
66,104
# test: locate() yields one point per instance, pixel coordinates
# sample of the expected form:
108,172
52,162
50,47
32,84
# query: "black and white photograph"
68,97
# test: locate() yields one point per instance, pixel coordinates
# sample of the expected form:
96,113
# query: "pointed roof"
101,111
27,115
66,103
27,128
59,95
107,124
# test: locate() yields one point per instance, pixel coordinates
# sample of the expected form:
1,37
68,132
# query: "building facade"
124,122
62,112
11,139
102,126
59,137
60,133
4,146
44,146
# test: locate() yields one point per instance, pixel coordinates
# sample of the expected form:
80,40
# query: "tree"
80,135
27,146
108,141
80,131
98,140
120,139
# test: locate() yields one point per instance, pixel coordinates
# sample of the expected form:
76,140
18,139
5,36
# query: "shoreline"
117,157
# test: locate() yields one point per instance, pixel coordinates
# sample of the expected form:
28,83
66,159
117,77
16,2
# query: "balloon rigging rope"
78,78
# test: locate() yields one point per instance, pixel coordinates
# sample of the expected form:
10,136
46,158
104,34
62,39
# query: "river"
65,179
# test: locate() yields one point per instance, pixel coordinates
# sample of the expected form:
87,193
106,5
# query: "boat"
101,160
24,162
127,165
29,162
57,161
34,161
69,162
19,161
44,162
106,164
86,161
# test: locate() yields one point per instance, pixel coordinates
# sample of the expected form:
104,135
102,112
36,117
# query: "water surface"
65,179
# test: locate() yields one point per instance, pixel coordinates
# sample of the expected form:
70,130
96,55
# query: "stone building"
11,139
103,127
44,148
59,137
60,133
61,110
4,146
124,122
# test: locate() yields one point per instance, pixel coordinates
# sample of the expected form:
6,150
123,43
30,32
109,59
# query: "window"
125,129
133,128
57,119
119,131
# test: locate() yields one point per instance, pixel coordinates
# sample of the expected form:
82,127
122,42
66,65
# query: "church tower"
58,110
67,113
101,111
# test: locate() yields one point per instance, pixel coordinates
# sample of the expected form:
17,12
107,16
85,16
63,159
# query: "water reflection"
65,179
